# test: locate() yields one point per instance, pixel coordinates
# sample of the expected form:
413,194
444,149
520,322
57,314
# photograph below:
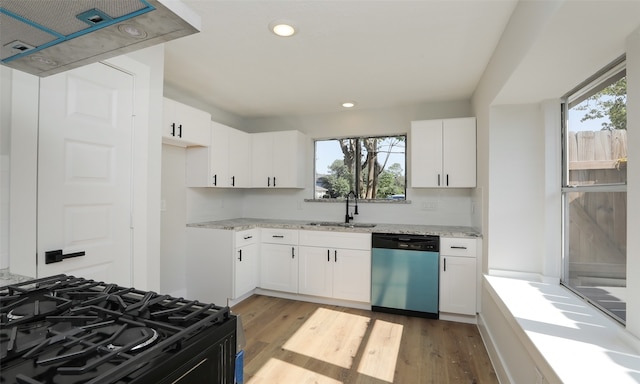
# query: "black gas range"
64,329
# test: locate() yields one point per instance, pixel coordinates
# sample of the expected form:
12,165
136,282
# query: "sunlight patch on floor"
381,353
330,336
280,372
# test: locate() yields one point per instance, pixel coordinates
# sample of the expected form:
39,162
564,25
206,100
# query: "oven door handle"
56,256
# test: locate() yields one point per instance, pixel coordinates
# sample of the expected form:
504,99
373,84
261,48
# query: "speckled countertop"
248,223
8,278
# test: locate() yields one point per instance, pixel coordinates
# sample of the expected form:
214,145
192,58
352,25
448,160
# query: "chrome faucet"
348,216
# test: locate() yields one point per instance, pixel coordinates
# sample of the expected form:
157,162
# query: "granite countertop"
249,223
8,278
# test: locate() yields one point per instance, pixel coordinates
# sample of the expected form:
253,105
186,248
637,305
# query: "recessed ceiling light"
349,104
282,28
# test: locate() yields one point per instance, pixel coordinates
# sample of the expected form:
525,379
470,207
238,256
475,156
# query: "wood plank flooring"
294,342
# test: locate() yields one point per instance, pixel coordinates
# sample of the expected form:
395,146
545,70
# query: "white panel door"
84,173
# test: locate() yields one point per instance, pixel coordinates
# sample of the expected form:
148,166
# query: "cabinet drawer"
452,246
247,237
335,239
279,236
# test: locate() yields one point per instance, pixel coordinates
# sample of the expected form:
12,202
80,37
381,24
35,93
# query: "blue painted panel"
405,279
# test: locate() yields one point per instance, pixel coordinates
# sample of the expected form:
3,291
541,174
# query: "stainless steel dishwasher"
404,274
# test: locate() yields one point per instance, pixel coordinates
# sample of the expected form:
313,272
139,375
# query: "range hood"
44,37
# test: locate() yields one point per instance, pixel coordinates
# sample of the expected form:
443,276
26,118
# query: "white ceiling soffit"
580,39
377,53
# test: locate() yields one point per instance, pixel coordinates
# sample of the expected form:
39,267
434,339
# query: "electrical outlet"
429,205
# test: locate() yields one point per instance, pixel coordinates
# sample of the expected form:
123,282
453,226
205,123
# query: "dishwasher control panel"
409,242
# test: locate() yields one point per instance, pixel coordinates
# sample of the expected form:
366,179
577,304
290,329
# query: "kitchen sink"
340,224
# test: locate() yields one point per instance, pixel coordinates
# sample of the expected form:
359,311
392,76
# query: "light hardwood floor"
294,342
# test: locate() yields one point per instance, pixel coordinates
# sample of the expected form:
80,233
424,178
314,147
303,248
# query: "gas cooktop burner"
140,337
69,330
36,308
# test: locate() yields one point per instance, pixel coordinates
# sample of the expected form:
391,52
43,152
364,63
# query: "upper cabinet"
225,162
184,126
278,159
443,153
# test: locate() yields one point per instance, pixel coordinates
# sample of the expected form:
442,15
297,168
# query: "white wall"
173,217
5,158
516,202
633,182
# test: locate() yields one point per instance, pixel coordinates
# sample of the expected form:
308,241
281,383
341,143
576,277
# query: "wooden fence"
598,235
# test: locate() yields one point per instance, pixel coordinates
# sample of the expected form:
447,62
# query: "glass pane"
334,177
372,166
597,136
595,248
383,168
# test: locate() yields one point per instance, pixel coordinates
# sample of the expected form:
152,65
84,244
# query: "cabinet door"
459,152
316,271
261,159
219,155
458,285
239,158
183,125
246,269
289,159
426,153
352,275
195,125
279,267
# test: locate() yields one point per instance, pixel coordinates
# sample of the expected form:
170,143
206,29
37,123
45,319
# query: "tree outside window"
372,167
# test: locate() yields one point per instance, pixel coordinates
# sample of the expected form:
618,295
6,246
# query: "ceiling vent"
44,37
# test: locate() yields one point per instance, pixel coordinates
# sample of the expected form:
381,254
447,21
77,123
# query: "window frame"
357,170
591,86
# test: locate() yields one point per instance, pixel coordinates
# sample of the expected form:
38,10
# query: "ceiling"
376,53
384,54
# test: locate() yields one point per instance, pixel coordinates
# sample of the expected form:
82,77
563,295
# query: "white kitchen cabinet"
246,262
278,159
215,273
458,275
224,163
279,257
183,125
335,265
443,153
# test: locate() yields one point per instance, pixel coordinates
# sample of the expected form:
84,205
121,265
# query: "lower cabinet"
329,269
246,262
279,260
222,265
458,275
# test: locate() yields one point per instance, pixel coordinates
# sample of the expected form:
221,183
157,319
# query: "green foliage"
610,102
371,156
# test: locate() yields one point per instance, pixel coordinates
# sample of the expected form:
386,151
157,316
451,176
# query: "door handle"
293,252
180,131
173,129
240,254
57,256
233,181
